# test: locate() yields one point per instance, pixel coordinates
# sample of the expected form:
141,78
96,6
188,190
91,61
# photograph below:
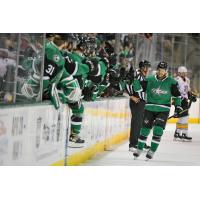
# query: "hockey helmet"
144,63
182,69
162,65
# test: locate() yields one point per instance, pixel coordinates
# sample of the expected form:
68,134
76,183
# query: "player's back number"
50,69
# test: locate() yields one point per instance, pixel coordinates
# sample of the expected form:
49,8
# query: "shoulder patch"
56,58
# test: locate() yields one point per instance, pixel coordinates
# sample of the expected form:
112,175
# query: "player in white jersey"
184,88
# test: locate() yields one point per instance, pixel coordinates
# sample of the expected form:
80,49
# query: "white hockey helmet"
182,69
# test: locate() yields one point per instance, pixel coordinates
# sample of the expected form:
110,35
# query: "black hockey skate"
75,138
149,155
133,149
186,138
75,141
137,153
177,136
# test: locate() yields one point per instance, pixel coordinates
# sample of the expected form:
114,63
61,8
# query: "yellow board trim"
106,113
82,156
190,121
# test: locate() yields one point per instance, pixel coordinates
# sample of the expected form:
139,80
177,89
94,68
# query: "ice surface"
169,152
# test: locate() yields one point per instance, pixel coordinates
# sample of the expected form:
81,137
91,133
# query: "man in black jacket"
137,103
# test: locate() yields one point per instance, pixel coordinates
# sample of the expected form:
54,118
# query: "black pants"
137,112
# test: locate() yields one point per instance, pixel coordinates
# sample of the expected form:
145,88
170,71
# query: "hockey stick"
183,111
176,115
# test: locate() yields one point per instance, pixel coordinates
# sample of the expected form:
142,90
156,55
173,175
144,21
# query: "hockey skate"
137,153
133,148
177,136
75,141
186,138
149,155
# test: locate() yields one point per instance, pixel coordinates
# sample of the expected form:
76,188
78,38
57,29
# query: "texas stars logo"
158,91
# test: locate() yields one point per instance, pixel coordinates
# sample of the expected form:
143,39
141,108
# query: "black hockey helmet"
144,63
162,65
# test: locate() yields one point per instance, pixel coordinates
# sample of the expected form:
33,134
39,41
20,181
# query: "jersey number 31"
50,70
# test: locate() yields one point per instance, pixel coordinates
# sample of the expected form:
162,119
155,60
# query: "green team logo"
158,91
56,58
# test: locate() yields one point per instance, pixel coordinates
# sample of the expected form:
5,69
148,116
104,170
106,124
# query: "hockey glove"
75,95
88,93
192,97
178,111
93,65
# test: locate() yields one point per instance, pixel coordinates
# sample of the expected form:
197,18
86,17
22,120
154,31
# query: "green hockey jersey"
82,69
158,92
53,65
56,76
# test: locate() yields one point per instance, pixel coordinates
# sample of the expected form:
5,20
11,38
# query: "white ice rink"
169,152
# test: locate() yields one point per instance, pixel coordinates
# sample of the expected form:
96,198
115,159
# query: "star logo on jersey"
158,91
56,58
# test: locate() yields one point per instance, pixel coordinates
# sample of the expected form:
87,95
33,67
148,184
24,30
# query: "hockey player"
79,70
77,65
184,88
58,84
97,82
159,90
88,71
74,100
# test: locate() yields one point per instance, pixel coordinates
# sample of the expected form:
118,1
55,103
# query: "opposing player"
187,97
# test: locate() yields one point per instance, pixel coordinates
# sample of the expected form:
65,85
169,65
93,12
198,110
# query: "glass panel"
179,50
8,60
143,48
30,68
168,51
192,59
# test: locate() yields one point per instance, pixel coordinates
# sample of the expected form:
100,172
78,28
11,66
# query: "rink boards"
105,123
36,134
32,135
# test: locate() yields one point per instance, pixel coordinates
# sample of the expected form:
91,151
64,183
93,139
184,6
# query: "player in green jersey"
159,88
58,84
